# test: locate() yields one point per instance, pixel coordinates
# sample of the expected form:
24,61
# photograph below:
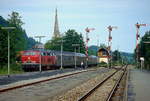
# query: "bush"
102,64
14,69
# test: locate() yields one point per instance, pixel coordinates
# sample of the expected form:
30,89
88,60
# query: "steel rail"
97,86
117,83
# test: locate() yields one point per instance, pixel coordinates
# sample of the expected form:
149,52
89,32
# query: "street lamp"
75,60
8,28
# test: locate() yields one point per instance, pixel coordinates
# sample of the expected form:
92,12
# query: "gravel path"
47,90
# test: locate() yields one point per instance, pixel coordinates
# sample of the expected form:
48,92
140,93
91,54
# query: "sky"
38,16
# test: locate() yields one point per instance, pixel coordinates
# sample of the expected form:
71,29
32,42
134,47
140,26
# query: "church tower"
56,32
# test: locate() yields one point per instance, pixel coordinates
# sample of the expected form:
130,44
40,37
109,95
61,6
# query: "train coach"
50,59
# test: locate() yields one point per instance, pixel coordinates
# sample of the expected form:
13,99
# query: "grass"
102,64
14,69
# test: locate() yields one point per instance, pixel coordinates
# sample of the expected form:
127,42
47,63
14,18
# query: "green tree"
116,56
17,40
15,20
54,44
103,46
3,47
71,37
17,37
144,49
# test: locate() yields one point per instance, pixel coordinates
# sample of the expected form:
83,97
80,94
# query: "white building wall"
103,60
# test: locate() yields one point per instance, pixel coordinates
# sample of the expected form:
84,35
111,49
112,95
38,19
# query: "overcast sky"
38,16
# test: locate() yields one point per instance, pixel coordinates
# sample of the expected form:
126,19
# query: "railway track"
92,94
12,87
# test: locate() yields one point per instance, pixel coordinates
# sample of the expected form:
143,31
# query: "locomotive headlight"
28,58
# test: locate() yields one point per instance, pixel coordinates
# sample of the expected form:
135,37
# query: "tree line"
70,40
144,50
19,40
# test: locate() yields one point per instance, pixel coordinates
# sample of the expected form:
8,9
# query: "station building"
103,55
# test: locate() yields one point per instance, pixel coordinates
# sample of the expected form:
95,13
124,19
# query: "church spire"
56,33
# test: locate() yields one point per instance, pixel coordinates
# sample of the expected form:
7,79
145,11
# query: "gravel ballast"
75,93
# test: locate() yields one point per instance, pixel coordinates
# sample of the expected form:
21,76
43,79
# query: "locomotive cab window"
43,54
30,53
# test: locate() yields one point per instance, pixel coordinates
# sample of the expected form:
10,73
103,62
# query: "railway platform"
21,80
138,85
4,80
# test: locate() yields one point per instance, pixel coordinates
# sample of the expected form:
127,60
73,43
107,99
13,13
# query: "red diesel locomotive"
49,59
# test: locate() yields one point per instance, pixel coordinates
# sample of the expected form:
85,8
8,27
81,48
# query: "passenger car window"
48,54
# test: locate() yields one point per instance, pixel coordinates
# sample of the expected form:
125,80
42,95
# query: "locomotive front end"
30,60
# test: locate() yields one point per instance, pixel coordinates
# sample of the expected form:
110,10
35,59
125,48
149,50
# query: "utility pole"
118,55
97,52
110,43
61,59
87,40
80,44
8,28
61,54
75,60
39,37
40,65
137,41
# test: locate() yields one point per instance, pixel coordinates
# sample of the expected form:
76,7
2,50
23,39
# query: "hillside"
30,41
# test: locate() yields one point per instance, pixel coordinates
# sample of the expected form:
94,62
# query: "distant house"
103,55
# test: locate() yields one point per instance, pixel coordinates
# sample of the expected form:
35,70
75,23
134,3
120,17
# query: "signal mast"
87,39
110,28
138,39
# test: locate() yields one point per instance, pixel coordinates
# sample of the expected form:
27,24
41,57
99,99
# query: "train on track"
50,59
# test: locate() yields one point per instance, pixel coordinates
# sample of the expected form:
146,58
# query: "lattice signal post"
137,40
87,39
110,28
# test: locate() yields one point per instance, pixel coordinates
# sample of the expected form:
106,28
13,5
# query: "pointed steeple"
56,33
